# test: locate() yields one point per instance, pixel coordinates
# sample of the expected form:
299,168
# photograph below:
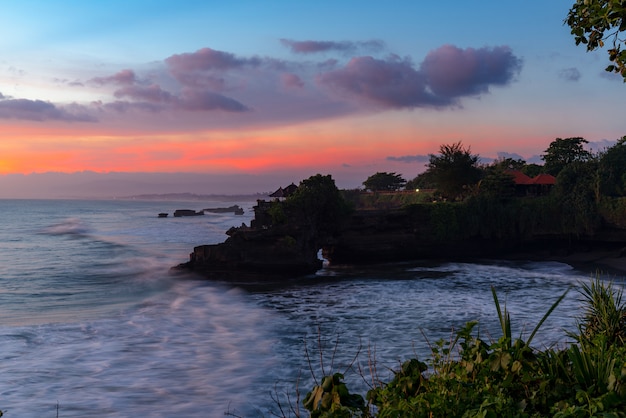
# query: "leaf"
543,319
505,359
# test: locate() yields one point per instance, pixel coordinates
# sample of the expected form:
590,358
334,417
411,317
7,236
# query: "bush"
472,377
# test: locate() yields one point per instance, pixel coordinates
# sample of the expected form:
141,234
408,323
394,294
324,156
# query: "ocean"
94,323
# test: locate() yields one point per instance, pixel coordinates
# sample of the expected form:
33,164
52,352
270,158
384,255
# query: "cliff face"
256,254
396,235
403,235
372,236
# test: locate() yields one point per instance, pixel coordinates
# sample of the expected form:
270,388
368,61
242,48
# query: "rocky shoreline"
263,251
604,261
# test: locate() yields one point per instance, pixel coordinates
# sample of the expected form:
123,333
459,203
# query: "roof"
522,179
285,192
278,193
544,179
519,177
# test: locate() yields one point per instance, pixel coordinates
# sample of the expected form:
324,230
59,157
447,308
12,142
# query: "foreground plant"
472,377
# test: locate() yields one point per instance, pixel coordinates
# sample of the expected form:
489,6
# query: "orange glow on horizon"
330,144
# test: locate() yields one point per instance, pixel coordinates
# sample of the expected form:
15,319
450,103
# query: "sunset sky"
275,91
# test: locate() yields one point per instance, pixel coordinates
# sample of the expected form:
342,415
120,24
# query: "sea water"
94,323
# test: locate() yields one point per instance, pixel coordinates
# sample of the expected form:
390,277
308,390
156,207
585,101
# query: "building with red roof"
535,186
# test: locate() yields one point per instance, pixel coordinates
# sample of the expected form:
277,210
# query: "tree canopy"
612,169
454,169
319,202
383,181
594,21
562,152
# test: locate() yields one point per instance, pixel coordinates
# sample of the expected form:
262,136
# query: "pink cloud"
281,91
38,110
291,80
453,72
205,100
124,77
309,47
208,59
152,93
388,83
123,106
447,74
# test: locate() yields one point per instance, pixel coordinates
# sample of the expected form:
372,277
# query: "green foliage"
604,315
444,221
491,217
317,203
383,181
612,170
454,170
277,213
497,183
331,398
425,180
470,378
562,152
361,200
532,170
613,211
593,22
507,163
577,192
473,377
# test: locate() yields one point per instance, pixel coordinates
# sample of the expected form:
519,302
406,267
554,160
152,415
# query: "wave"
72,227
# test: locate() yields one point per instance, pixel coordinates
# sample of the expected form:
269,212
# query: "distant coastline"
194,196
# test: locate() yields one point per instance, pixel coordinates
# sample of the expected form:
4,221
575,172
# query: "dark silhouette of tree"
497,183
562,152
532,169
423,180
318,203
594,21
383,181
576,192
612,170
508,164
454,169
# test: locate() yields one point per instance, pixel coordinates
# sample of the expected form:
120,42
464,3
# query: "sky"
252,95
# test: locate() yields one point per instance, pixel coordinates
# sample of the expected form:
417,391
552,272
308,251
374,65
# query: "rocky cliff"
266,250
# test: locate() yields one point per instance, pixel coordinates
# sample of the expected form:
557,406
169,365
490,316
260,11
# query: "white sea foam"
98,324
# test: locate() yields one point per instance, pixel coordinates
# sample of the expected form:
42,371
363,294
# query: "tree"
383,181
423,180
507,164
576,192
532,169
591,19
497,183
454,169
563,152
318,203
612,169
